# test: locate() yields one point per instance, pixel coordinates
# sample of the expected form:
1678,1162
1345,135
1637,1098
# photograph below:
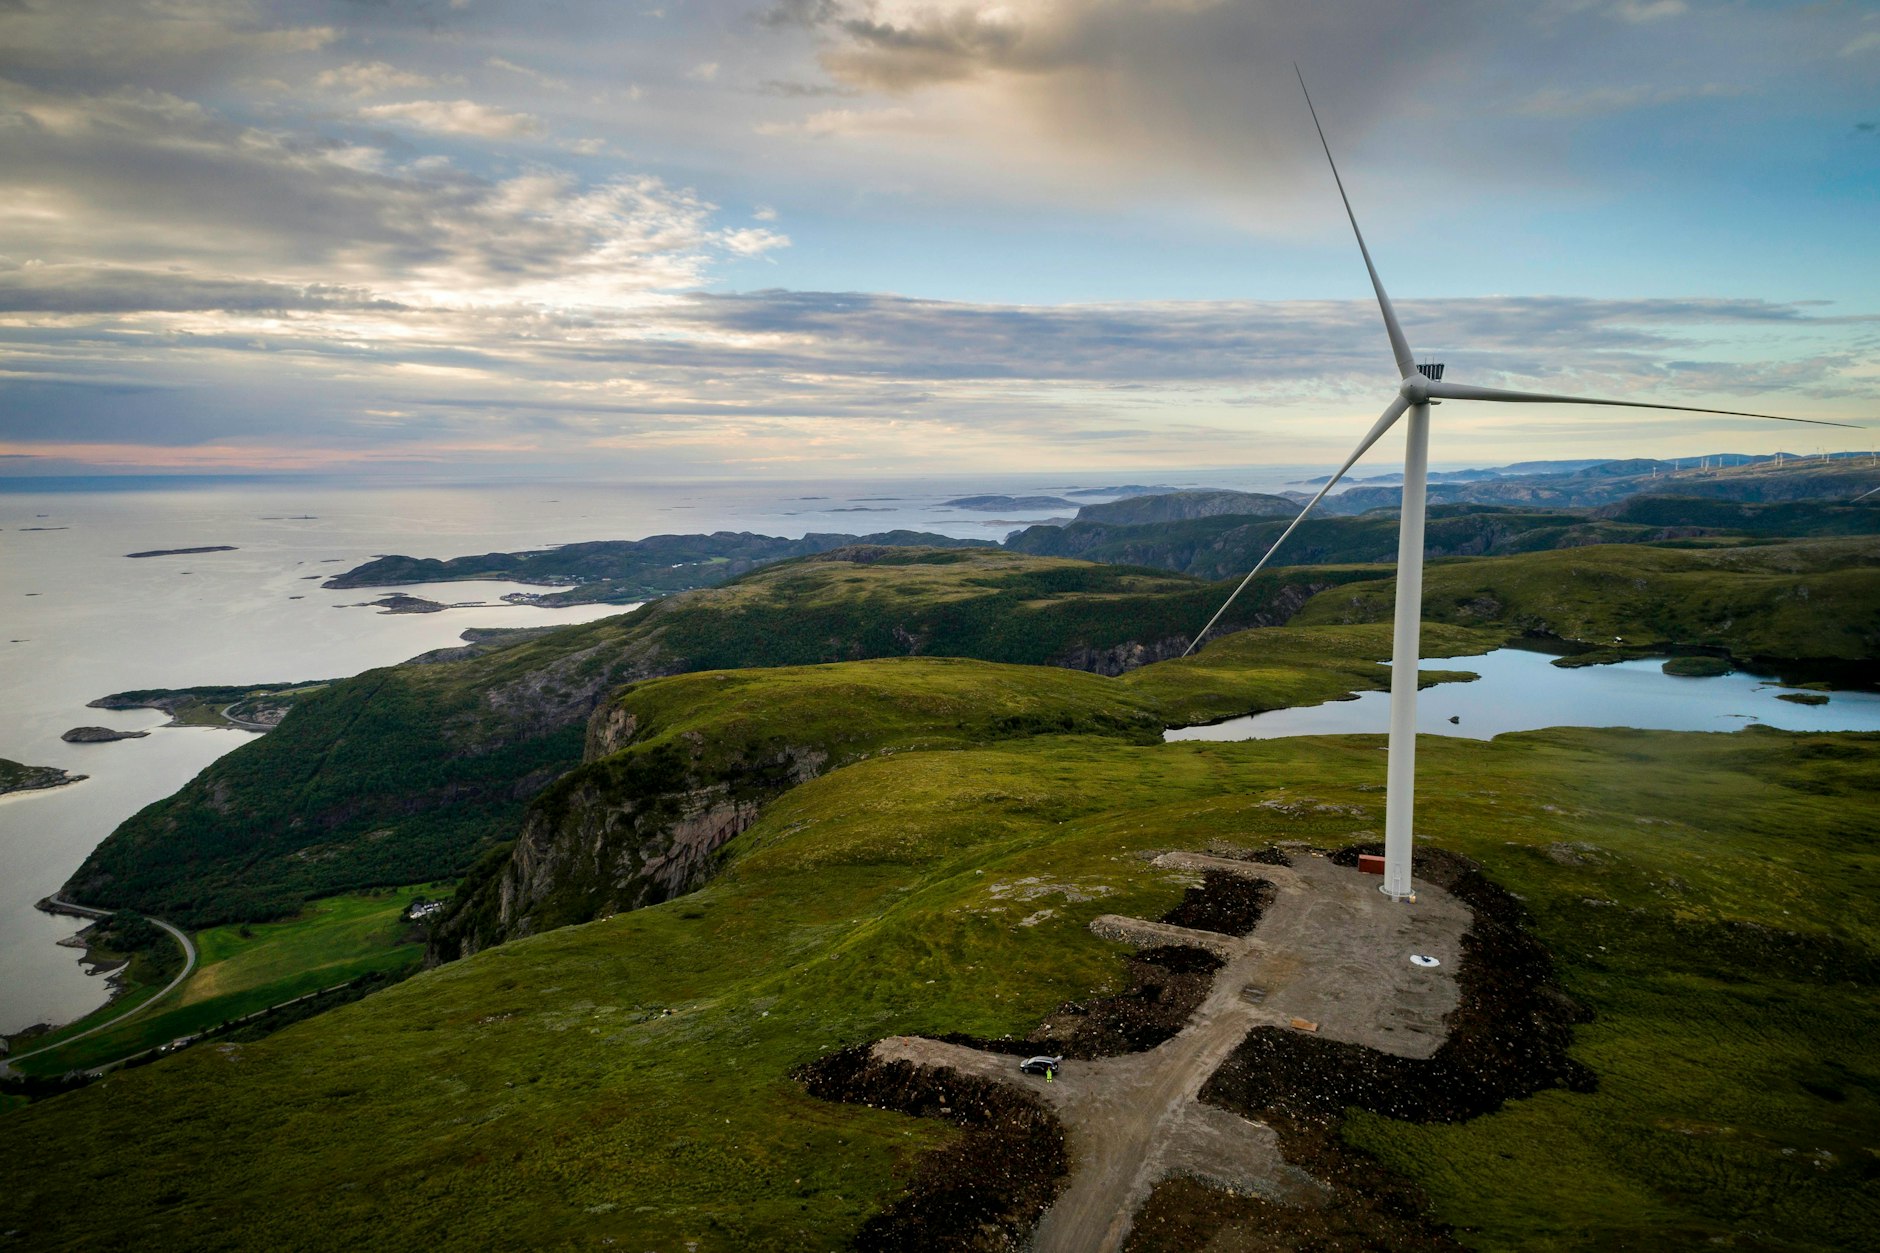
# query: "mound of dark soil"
1166,986
1228,903
982,1193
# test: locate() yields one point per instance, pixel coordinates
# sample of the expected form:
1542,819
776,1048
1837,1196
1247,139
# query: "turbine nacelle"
1415,390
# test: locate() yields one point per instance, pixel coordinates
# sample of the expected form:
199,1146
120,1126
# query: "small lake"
1521,690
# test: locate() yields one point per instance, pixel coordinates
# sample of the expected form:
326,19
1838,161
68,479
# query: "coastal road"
241,724
57,906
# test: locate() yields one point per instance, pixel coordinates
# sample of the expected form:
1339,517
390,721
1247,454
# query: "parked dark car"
1040,1065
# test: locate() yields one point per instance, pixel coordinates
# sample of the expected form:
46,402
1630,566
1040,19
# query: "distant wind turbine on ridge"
1420,386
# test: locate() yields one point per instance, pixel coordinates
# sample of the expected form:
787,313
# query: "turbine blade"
1396,410
1439,390
1399,346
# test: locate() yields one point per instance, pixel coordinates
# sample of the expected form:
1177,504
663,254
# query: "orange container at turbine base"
1370,863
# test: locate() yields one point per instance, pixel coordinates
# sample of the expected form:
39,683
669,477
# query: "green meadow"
1708,897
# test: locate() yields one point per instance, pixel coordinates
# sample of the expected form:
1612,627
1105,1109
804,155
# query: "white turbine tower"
1418,388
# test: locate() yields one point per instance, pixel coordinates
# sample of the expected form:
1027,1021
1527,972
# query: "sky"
824,238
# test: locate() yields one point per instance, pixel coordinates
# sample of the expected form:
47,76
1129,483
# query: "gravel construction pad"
1508,1039
987,1191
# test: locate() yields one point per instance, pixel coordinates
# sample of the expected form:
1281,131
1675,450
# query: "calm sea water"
79,620
1519,690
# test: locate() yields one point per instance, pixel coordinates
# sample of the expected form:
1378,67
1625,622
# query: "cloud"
847,123
780,376
456,117
1867,42
212,256
368,78
139,181
170,44
1640,11
535,76
1565,102
117,289
703,72
1112,97
804,91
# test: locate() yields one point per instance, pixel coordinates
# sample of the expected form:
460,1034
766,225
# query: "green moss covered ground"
1709,897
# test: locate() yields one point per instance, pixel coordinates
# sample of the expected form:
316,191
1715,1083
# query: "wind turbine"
1420,386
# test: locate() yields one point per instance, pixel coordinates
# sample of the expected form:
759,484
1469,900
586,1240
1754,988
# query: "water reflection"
1520,690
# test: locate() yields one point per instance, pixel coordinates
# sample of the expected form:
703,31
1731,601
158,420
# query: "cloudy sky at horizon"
803,238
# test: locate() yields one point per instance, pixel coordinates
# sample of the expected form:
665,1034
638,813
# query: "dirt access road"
1331,949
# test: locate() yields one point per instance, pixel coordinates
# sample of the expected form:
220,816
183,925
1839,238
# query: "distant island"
181,552
1125,489
992,504
400,603
99,735
15,777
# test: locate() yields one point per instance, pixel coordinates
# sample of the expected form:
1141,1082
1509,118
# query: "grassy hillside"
677,766
413,772
1709,897
1808,599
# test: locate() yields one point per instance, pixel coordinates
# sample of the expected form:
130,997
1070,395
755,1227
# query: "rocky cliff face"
631,827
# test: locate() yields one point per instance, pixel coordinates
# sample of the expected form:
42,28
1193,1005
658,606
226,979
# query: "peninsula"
15,777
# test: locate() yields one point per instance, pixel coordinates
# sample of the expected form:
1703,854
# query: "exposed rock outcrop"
626,830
